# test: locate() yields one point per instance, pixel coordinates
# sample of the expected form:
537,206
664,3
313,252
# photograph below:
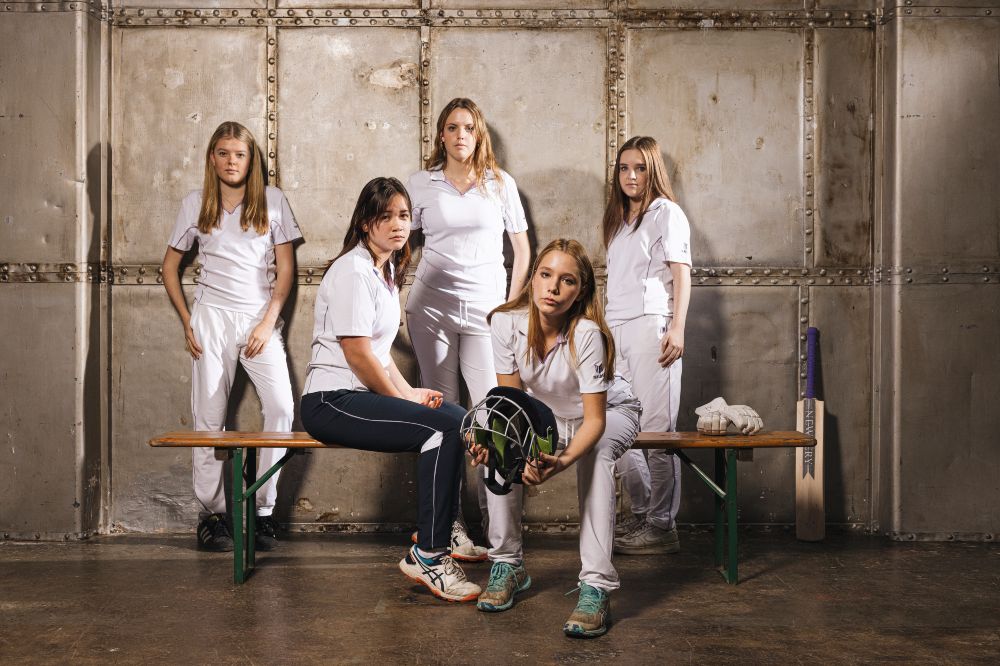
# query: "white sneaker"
462,548
442,576
629,524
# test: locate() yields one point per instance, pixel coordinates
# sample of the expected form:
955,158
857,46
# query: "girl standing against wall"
245,232
648,238
355,395
552,341
463,202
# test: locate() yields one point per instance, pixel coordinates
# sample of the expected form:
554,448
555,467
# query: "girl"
649,286
245,232
463,202
355,395
552,342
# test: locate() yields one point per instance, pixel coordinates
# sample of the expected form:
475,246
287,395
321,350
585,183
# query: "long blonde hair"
483,159
373,201
657,185
254,212
587,306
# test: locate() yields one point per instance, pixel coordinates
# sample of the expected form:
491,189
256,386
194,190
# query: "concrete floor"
341,599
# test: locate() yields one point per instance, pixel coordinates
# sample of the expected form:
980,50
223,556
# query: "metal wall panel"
38,137
948,101
174,88
361,121
742,344
478,5
844,317
375,4
726,107
543,94
843,71
759,5
948,421
187,7
40,421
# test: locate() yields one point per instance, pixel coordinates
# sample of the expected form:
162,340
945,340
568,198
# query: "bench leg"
732,574
720,507
239,564
251,510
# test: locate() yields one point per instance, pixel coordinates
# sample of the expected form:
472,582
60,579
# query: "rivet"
748,271
811,281
944,270
309,280
729,271
803,319
138,280
804,301
756,280
909,279
784,272
197,270
944,279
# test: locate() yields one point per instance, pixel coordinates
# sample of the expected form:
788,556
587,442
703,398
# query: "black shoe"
213,534
266,533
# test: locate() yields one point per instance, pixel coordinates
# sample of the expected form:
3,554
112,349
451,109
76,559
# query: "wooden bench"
242,446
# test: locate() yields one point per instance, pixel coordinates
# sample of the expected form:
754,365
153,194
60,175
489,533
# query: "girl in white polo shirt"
245,232
553,343
648,241
463,202
355,395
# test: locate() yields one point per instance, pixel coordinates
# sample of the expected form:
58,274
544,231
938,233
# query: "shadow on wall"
98,320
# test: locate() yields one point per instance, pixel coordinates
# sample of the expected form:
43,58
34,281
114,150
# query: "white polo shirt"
237,267
463,233
353,300
556,380
639,280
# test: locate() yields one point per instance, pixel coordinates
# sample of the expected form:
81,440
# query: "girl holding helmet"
552,342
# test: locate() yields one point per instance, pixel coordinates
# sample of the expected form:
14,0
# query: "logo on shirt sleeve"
684,248
598,370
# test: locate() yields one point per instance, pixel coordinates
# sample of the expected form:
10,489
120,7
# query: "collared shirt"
639,280
352,300
463,233
237,267
557,380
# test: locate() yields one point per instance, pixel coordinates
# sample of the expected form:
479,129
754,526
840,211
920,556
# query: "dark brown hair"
373,201
483,159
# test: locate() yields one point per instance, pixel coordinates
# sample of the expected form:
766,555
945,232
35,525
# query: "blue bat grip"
812,341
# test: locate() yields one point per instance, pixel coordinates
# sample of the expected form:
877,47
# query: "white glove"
714,418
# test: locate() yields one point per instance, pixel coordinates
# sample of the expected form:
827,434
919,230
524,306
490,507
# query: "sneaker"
266,533
629,524
506,580
648,540
442,576
592,614
213,534
462,548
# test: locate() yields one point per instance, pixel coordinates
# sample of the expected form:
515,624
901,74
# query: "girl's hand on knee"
258,338
191,344
427,397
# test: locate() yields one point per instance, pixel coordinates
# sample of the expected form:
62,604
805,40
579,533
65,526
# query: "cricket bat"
810,517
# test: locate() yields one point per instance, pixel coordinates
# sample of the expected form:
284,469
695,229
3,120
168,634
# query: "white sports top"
463,233
237,267
353,300
556,380
639,280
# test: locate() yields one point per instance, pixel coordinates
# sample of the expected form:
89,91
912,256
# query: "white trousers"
637,344
449,336
222,335
595,489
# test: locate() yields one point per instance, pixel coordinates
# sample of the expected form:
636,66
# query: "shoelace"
590,598
452,569
498,574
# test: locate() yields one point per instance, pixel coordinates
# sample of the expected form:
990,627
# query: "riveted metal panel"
726,108
947,109
362,121
376,7
172,88
948,419
188,7
38,137
758,5
742,344
843,317
40,423
544,97
844,132
475,6
833,5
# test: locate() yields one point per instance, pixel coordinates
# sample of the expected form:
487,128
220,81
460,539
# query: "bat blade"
810,515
